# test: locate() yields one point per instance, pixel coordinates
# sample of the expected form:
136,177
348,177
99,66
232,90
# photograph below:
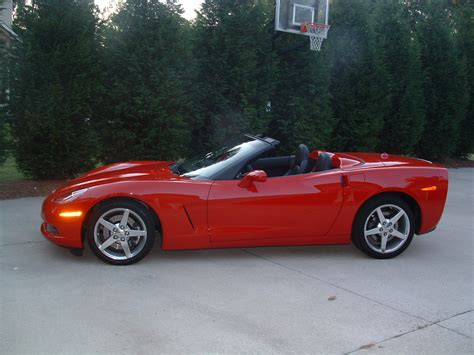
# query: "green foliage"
5,137
360,82
396,76
465,41
300,105
3,143
145,104
445,86
55,87
235,69
404,124
4,84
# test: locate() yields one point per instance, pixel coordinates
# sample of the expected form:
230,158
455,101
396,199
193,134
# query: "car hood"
132,170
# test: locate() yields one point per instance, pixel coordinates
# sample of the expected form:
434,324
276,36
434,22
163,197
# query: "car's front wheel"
120,232
384,227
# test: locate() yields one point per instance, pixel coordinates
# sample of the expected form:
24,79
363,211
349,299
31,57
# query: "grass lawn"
9,171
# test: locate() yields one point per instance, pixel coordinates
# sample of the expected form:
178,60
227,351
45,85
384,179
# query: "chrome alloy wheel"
120,234
387,228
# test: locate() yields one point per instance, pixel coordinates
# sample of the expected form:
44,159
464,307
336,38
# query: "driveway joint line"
452,330
448,318
417,329
337,286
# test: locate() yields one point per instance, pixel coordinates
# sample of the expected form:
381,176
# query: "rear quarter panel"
365,183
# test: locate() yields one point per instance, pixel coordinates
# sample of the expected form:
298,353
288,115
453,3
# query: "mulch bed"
27,188
30,188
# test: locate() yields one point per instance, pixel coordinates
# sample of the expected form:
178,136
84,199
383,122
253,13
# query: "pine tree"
235,69
359,85
4,83
300,105
404,122
465,42
445,87
54,88
145,102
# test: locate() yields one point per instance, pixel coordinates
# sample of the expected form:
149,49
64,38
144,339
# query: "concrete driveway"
322,299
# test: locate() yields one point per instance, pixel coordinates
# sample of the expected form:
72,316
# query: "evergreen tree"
359,81
404,122
300,107
4,84
465,41
145,103
54,88
445,87
235,68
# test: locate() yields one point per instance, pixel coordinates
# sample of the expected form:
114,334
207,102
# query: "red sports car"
245,195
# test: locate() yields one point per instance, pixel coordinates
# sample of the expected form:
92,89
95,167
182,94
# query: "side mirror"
252,177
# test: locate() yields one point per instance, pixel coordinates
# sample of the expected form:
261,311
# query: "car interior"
299,163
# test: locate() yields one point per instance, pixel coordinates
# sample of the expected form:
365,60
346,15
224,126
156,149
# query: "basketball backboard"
290,15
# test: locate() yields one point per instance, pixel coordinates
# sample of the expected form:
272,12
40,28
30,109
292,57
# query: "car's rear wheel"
120,232
384,227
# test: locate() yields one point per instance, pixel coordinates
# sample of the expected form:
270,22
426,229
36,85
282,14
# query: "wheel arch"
156,219
405,197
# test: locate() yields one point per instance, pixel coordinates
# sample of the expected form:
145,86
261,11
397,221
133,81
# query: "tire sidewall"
358,237
136,207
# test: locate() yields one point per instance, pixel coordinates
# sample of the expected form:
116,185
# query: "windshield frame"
229,168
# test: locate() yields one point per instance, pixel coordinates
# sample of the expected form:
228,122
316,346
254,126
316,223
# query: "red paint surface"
314,208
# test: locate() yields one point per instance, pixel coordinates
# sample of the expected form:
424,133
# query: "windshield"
206,165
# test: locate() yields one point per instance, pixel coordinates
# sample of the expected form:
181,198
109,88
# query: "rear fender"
414,182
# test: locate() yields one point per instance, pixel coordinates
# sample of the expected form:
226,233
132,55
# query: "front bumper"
66,232
56,238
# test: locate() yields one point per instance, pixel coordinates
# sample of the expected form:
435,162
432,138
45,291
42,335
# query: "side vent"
189,218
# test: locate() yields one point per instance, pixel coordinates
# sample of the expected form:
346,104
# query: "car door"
288,206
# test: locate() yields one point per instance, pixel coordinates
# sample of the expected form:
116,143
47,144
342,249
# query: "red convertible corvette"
245,195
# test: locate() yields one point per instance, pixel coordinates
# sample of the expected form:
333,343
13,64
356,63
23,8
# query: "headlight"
71,196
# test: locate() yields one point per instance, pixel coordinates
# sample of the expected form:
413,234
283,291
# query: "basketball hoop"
317,33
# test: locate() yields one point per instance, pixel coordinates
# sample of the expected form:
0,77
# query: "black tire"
366,211
136,209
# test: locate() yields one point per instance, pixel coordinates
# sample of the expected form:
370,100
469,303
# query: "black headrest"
301,158
300,163
323,163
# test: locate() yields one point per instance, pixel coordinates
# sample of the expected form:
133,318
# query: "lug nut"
122,239
381,229
115,229
385,234
115,237
121,227
127,233
391,230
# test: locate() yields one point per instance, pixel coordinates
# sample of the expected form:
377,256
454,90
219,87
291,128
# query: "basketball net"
317,33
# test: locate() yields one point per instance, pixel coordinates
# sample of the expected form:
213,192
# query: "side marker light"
71,214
